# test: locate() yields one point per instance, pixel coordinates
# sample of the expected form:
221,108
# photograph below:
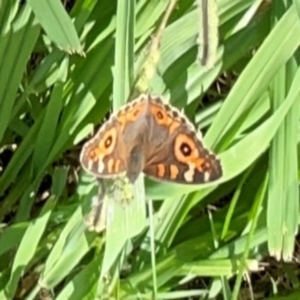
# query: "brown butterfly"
147,135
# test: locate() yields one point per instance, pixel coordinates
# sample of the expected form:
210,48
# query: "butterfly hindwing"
184,158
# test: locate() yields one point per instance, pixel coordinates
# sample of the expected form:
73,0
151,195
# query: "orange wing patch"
161,170
130,114
163,118
174,171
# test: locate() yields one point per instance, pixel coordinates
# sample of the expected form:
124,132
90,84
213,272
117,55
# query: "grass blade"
57,24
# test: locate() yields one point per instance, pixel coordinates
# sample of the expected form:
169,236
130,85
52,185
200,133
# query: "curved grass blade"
28,246
57,24
16,44
255,78
75,290
47,132
258,201
124,55
283,198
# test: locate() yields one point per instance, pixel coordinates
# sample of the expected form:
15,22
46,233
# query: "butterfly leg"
96,218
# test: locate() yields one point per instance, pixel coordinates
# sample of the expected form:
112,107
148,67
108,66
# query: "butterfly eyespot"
159,115
185,149
108,142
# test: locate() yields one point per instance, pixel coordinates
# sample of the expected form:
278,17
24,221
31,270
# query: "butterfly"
147,135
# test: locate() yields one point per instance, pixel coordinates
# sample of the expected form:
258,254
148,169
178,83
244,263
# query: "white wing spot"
189,174
206,176
100,165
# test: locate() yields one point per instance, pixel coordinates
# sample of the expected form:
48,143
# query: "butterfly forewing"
105,154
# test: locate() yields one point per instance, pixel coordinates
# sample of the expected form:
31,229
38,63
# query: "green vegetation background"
60,69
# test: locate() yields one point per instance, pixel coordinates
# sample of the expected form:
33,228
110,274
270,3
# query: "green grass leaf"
57,24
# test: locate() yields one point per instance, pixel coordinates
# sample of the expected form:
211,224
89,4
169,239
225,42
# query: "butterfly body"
149,136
